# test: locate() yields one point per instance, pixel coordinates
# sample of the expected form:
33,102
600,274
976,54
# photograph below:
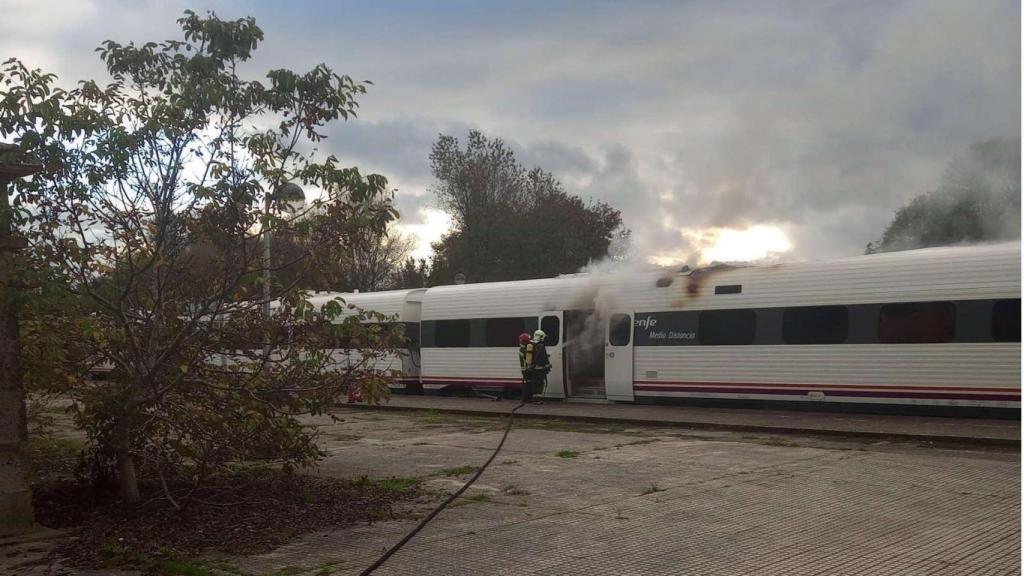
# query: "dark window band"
958,321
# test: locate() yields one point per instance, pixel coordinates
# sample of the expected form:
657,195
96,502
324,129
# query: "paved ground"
640,500
969,430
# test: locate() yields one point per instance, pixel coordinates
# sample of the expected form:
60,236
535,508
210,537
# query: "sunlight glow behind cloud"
755,243
434,225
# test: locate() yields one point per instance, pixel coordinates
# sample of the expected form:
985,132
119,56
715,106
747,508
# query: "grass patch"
514,491
567,454
458,471
653,489
173,567
510,462
393,485
481,497
50,457
342,437
779,442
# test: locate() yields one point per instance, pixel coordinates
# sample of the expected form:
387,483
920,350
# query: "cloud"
818,118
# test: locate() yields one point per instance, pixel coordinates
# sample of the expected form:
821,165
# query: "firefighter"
525,357
539,366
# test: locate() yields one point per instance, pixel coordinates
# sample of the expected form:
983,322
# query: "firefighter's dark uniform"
538,365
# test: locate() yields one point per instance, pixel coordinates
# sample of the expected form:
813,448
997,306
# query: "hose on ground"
449,500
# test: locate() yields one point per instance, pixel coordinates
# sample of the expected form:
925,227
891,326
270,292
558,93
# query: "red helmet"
524,338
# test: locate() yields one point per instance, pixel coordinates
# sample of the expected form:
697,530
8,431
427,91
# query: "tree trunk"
126,475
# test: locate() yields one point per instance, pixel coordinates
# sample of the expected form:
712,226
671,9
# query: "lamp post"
291,198
15,498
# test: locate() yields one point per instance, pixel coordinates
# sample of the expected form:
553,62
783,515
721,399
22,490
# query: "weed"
567,454
511,462
653,489
172,567
481,497
394,484
48,455
514,491
342,437
458,471
778,442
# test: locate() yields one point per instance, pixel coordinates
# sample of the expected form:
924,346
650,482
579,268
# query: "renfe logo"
646,323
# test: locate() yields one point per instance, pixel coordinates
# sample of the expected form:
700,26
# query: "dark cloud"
820,117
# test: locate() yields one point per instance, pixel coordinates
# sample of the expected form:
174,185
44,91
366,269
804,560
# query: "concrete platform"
976,431
589,499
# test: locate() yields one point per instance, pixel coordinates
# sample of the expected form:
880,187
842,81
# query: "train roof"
945,273
387,302
953,273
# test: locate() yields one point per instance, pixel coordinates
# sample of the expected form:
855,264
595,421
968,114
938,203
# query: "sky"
722,130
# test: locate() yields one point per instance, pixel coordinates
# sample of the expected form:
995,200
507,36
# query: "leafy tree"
509,222
372,261
358,258
978,200
413,274
150,219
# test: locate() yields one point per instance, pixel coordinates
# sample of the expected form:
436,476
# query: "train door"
411,312
618,357
583,353
551,324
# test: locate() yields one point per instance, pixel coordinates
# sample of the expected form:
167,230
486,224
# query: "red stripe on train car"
833,392
828,386
473,381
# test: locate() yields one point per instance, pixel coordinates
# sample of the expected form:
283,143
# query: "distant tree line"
509,223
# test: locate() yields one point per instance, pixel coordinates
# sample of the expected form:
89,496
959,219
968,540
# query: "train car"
469,332
933,326
404,306
938,326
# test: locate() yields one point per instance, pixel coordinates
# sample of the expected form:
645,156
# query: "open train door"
618,357
551,324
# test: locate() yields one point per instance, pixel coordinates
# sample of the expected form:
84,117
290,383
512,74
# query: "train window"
1006,321
815,325
451,334
550,325
502,332
620,329
729,289
727,327
917,322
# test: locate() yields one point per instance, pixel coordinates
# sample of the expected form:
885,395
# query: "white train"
938,326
